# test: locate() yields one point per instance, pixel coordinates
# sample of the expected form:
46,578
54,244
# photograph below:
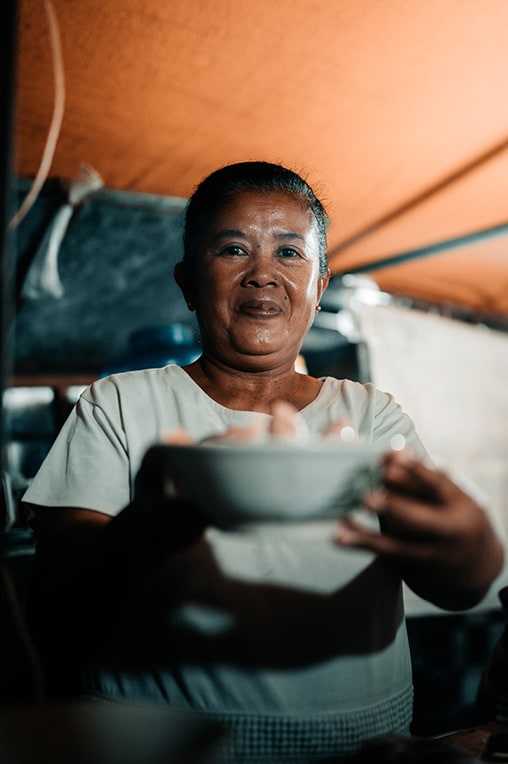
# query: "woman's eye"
232,249
288,252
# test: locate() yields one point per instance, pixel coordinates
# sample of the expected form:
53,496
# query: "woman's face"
256,284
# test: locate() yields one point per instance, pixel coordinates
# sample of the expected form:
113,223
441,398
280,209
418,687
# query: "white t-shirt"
96,457
299,646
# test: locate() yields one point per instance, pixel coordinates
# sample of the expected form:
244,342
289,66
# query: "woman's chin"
264,360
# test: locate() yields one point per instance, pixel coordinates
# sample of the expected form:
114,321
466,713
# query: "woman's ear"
323,283
181,276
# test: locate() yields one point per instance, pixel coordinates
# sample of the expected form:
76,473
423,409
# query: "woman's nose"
261,272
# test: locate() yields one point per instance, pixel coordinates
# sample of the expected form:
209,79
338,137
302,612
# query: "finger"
351,535
251,432
409,515
404,473
342,430
177,437
286,423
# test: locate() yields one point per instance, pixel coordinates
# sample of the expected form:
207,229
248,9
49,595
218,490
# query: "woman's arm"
440,538
92,571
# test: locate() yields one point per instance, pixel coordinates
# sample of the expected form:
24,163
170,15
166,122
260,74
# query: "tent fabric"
377,103
114,277
451,379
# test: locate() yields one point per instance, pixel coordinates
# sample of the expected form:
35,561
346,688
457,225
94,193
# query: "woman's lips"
260,308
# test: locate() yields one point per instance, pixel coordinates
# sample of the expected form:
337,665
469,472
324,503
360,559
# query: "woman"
296,645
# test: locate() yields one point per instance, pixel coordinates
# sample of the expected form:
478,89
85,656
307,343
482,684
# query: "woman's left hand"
441,539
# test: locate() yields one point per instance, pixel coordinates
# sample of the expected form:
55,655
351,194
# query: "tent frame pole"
432,249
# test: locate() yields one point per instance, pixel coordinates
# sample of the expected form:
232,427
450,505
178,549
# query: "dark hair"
260,177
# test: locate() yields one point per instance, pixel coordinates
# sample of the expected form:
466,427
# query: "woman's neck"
253,390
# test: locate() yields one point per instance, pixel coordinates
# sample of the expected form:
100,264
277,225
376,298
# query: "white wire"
56,120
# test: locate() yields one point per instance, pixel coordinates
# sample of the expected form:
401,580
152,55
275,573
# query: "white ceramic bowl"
246,482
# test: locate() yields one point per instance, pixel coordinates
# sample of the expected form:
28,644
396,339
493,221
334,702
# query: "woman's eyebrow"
226,233
289,235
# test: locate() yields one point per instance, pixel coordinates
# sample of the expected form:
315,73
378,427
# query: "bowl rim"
281,447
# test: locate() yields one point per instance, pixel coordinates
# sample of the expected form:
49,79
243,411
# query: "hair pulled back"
259,177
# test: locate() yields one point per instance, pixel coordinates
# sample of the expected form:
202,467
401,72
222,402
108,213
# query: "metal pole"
8,37
432,249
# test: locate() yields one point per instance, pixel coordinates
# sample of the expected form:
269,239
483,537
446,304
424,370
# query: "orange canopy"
396,111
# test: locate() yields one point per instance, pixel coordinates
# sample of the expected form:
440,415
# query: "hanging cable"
56,120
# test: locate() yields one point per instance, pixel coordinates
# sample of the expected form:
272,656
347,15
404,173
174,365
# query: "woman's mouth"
260,308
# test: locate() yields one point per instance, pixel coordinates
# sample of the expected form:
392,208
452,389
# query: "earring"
318,308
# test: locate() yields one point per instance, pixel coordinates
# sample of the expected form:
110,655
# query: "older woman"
297,645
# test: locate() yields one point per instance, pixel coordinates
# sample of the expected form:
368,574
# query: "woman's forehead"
271,205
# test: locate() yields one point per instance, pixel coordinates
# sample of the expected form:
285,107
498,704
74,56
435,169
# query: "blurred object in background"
107,734
155,346
333,346
30,422
492,699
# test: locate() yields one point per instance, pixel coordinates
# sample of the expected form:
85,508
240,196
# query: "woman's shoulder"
127,384
362,398
343,398
375,413
352,388
125,380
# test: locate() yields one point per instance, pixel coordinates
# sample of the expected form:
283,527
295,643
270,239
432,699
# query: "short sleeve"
391,420
87,466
